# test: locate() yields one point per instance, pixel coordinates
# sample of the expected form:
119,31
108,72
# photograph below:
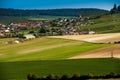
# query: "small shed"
16,41
28,36
91,32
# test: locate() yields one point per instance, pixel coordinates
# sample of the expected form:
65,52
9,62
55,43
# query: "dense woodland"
58,12
52,12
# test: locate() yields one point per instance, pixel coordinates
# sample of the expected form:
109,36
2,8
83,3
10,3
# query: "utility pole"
112,54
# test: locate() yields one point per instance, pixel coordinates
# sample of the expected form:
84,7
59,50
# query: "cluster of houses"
18,40
63,26
70,26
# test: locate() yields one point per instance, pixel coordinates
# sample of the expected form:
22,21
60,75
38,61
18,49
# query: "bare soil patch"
96,38
112,51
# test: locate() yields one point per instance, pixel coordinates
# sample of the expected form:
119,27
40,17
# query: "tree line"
52,12
73,77
115,9
58,12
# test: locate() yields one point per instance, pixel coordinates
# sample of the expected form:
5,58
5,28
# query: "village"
60,40
34,29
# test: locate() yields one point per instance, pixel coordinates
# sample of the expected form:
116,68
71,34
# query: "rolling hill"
52,12
105,24
44,56
44,49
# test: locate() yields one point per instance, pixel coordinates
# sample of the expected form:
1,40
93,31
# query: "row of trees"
74,77
51,12
115,9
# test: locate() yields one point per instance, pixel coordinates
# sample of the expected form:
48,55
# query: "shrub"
64,77
50,77
74,77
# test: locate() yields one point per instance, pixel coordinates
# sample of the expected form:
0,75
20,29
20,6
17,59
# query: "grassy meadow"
15,19
42,18
19,70
45,56
105,24
44,49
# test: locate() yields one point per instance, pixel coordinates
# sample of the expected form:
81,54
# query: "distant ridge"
52,12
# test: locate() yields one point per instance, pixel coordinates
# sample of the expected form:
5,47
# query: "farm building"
87,32
28,36
2,35
91,32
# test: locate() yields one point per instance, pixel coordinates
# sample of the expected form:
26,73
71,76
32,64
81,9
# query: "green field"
19,70
11,19
42,18
44,49
45,56
14,19
105,24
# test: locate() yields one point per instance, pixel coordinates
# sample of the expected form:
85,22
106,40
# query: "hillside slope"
44,49
105,24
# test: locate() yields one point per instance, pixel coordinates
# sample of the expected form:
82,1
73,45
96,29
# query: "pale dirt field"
97,38
101,53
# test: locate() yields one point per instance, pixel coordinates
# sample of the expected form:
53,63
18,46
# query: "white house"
91,32
29,36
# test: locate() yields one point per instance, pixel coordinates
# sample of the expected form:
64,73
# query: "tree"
76,77
29,76
42,30
20,35
115,9
50,77
64,77
119,8
31,32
